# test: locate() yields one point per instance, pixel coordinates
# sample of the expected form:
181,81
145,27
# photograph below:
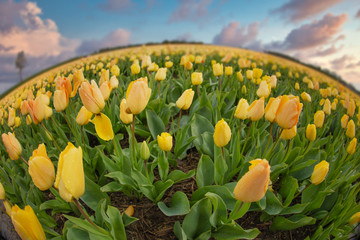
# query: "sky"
322,32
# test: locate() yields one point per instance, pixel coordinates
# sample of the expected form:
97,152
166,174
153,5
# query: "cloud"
115,5
190,10
118,37
296,10
341,62
327,51
317,33
357,14
234,35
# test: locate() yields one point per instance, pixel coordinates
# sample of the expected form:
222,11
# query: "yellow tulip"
11,117
115,70
322,101
249,74
327,107
217,69
77,79
103,127
319,119
228,71
271,109
297,86
354,218
124,116
83,116
169,64
288,134
272,81
185,100
145,61
278,74
91,97
114,83
254,184
105,89
2,192
137,96
241,111
222,134
351,108
350,129
239,76
352,146
41,169
8,207
306,97
61,100
104,77
320,171
310,85
311,132
17,121
153,67
26,223
12,145
256,110
243,89
196,78
254,162
344,120
135,68
165,141
70,179
264,89
198,59
24,107
160,74
288,112
257,72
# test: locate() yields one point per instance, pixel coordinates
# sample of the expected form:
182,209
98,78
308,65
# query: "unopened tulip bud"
352,146
160,74
256,110
254,184
222,134
319,118
351,108
344,120
12,145
91,97
17,121
114,82
196,78
297,86
354,218
305,97
135,68
264,89
11,117
28,120
241,111
272,81
217,69
243,89
165,141
169,64
185,100
144,151
288,112
24,107
327,107
320,171
103,127
311,132
239,76
83,116
350,130
288,134
137,96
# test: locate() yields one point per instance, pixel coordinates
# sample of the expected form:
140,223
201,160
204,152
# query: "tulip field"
180,142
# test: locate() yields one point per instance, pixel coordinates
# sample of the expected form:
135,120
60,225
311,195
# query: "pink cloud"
340,63
234,35
190,10
298,10
357,14
327,51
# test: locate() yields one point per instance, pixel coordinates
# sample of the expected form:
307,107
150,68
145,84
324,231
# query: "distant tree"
20,62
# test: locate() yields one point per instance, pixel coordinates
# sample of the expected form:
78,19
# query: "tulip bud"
17,121
228,71
61,100
344,121
306,97
241,111
239,76
83,116
153,67
26,223
196,78
165,141
137,96
198,59
311,132
288,134
135,68
327,107
354,218
115,70
105,89
253,185
222,134
243,89
12,145
264,89
11,117
144,151
91,97
297,86
28,120
351,108
320,171
169,64
271,109
352,146
103,127
70,178
160,74
41,169
257,72
249,74
350,130
114,82
217,69
288,112
2,192
256,110
319,119
272,81
146,61
24,107
185,100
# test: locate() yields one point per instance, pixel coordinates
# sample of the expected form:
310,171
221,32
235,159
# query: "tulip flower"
153,67
306,97
146,61
311,132
239,76
26,223
91,97
165,141
241,111
254,184
115,70
243,89
256,110
83,116
169,64
288,134
103,127
222,134
354,218
61,100
271,109
272,81
288,112
320,171
12,145
344,120
77,79
350,129
185,100
137,96
217,69
125,117
2,192
228,71
135,68
144,151
264,89
160,74
63,83
249,74
70,179
319,119
114,82
105,89
351,108
11,117
257,72
352,146
24,107
41,169
327,107
297,86
196,78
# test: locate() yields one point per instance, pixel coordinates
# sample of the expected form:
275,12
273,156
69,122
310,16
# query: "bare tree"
20,62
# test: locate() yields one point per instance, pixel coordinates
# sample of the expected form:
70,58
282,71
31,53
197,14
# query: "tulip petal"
103,127
73,172
42,172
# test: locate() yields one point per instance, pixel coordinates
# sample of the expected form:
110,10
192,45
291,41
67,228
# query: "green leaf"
205,171
219,215
220,166
273,204
163,165
234,231
199,126
112,187
76,233
197,221
93,195
85,225
179,205
178,175
161,187
156,125
56,205
293,222
179,232
117,228
222,191
289,186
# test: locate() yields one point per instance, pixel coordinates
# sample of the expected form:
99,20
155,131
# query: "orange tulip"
288,112
91,97
12,145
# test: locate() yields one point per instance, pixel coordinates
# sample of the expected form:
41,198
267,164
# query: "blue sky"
322,32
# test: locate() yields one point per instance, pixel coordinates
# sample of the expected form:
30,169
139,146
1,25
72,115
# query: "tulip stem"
54,122
270,136
198,92
219,78
240,128
83,139
133,141
24,160
83,213
68,123
301,191
177,131
159,88
223,152
277,140
306,147
247,136
52,138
